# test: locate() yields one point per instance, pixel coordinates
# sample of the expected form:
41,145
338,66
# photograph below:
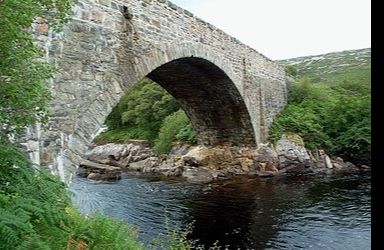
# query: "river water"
289,212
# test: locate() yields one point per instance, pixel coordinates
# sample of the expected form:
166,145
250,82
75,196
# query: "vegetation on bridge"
23,95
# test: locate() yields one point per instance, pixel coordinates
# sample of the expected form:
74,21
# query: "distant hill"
349,65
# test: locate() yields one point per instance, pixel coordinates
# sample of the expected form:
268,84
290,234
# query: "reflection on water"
302,212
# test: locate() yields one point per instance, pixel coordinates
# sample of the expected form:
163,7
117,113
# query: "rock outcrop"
122,155
201,164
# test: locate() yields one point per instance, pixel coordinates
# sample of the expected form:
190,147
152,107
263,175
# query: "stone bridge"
230,91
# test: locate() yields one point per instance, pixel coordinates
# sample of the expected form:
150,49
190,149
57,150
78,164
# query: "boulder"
146,165
198,156
291,151
365,168
180,149
266,154
96,171
172,166
120,155
94,176
105,153
328,162
197,175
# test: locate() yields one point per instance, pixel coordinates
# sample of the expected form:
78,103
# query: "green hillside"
350,65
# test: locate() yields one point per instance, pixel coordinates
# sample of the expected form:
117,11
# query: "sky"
282,29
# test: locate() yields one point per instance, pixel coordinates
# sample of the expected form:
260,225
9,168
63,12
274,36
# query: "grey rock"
197,175
328,162
120,155
94,176
266,153
93,170
145,165
291,151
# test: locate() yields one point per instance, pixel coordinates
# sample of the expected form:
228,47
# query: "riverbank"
201,164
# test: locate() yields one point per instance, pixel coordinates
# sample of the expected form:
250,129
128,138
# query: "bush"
174,124
187,134
289,69
334,117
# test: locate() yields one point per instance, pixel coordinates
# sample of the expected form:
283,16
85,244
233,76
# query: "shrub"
170,129
334,117
289,69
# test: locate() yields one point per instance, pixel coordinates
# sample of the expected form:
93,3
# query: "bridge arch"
205,86
203,83
233,94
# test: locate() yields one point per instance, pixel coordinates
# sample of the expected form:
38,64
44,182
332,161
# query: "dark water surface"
304,212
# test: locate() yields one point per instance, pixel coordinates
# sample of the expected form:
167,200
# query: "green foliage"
100,232
351,127
120,135
141,114
302,120
289,69
304,90
174,125
187,134
32,204
36,213
23,95
334,117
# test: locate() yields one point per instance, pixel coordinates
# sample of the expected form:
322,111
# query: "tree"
23,92
140,113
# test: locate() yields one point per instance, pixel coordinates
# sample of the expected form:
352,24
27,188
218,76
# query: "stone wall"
234,94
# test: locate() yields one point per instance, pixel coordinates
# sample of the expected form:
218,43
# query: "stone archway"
210,98
206,92
101,54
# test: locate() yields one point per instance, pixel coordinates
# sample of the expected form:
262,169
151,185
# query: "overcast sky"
282,29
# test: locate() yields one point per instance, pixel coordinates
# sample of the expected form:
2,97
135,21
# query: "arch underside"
210,99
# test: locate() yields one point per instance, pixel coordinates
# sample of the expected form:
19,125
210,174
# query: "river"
288,212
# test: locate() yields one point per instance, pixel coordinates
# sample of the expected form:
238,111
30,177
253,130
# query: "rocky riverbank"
200,164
